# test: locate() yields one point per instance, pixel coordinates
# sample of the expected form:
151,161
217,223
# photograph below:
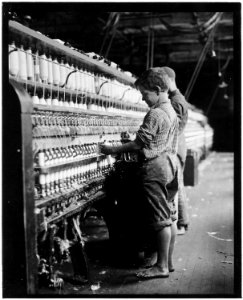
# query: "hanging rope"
217,87
199,63
213,24
107,27
226,64
212,100
197,69
111,24
220,73
111,40
150,48
211,21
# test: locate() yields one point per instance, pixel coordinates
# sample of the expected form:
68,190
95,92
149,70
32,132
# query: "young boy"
157,140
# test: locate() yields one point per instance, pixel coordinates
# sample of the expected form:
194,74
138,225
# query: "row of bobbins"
61,125
40,68
58,155
82,102
57,182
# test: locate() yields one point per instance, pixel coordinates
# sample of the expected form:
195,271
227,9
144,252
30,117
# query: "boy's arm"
180,106
130,146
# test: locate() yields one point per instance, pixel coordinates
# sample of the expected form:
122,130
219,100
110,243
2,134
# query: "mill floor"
203,256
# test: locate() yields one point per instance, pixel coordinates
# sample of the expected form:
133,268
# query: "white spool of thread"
81,79
72,79
71,103
35,99
55,101
77,77
63,73
80,104
43,68
60,101
13,60
91,106
65,103
56,176
85,106
68,70
30,64
42,100
86,81
22,63
52,181
48,100
48,160
42,179
41,159
90,84
50,72
92,79
56,71
47,178
37,66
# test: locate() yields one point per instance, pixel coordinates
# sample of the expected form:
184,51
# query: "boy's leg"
160,269
163,246
151,256
171,247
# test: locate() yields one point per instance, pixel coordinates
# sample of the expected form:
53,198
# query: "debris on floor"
95,287
218,238
226,254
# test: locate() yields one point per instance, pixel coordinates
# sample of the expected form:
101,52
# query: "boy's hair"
153,78
170,72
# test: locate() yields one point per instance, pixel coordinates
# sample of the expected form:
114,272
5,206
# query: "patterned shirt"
159,131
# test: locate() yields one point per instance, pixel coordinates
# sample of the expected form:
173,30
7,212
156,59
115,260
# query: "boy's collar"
160,101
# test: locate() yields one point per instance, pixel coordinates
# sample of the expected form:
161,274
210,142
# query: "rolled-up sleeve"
149,128
180,106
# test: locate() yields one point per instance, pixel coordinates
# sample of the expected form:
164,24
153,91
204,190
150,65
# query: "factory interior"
70,212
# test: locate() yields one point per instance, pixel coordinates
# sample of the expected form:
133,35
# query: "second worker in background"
180,106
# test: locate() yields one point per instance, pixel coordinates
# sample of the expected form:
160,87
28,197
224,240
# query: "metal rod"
148,49
212,100
152,50
199,65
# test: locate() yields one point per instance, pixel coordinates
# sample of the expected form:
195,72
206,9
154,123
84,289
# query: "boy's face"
150,97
